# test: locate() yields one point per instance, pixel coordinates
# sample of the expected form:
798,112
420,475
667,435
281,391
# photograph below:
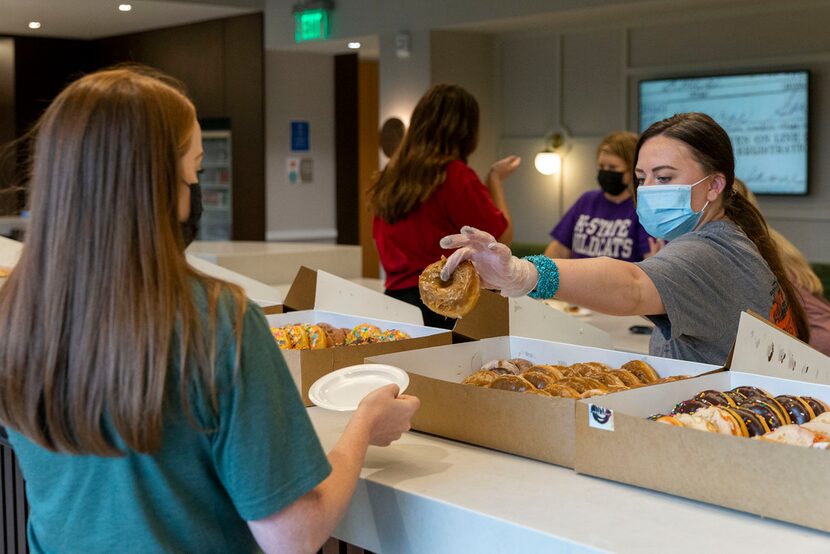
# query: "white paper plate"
342,390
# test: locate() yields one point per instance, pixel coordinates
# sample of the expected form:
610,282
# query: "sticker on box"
600,418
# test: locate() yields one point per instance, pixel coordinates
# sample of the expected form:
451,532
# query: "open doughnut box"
542,428
317,296
307,366
614,439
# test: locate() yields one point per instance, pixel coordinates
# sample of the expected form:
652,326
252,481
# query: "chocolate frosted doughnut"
715,398
756,425
752,393
797,408
690,406
453,298
817,405
766,411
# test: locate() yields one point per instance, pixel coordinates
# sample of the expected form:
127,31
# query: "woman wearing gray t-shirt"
719,260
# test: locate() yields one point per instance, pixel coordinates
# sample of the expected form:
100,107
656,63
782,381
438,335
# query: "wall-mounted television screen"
765,115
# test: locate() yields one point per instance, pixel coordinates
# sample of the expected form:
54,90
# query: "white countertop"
426,494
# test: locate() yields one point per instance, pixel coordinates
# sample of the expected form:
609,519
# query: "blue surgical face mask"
665,211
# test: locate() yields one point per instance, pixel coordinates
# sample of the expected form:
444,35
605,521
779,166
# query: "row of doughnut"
753,412
580,380
305,336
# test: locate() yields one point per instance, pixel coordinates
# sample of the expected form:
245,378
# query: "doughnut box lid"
320,290
497,316
267,297
614,440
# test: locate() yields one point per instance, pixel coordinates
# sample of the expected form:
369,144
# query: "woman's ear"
716,186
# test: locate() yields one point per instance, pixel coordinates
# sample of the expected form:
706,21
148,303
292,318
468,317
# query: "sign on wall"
300,136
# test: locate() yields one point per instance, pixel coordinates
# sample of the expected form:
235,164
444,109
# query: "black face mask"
611,182
190,228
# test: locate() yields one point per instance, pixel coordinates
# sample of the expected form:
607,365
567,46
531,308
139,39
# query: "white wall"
299,86
467,59
578,70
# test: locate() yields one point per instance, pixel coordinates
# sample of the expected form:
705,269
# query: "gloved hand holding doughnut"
496,265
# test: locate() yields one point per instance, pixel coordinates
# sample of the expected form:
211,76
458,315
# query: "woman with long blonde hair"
427,190
148,404
809,289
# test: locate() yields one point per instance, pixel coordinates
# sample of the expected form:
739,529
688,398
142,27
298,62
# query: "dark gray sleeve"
692,276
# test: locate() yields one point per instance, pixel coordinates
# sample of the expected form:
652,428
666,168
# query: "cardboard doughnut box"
537,427
790,483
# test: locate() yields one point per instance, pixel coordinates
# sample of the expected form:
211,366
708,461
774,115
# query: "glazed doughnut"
550,370
538,379
642,370
606,378
628,378
540,392
592,392
511,382
453,298
579,370
480,378
672,378
563,391
582,384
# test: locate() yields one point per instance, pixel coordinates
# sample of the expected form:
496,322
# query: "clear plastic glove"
496,265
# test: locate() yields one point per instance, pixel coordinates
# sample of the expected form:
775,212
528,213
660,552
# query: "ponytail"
741,211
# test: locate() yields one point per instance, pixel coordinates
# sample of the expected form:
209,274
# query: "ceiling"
92,19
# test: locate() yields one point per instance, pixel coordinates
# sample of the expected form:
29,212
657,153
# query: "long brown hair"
712,149
443,128
101,304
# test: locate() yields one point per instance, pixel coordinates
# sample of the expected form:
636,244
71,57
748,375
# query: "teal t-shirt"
196,493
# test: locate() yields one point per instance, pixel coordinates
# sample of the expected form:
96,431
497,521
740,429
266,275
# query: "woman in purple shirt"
603,222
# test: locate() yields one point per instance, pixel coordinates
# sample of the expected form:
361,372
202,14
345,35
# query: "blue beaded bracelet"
548,283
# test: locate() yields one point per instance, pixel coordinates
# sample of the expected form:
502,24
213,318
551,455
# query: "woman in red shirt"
428,191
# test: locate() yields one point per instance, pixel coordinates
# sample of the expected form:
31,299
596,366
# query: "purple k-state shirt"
595,226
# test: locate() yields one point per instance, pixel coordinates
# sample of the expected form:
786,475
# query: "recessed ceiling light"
34,25
354,45
125,7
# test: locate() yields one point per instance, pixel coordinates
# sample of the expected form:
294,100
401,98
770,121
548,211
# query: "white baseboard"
301,235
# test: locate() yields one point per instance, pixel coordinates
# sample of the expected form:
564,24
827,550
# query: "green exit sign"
311,25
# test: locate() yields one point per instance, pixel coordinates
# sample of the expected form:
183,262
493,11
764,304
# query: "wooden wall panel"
368,148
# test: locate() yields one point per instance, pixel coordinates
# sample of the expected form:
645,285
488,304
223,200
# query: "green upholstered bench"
521,249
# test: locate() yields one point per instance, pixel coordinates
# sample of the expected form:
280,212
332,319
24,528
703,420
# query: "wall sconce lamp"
549,161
